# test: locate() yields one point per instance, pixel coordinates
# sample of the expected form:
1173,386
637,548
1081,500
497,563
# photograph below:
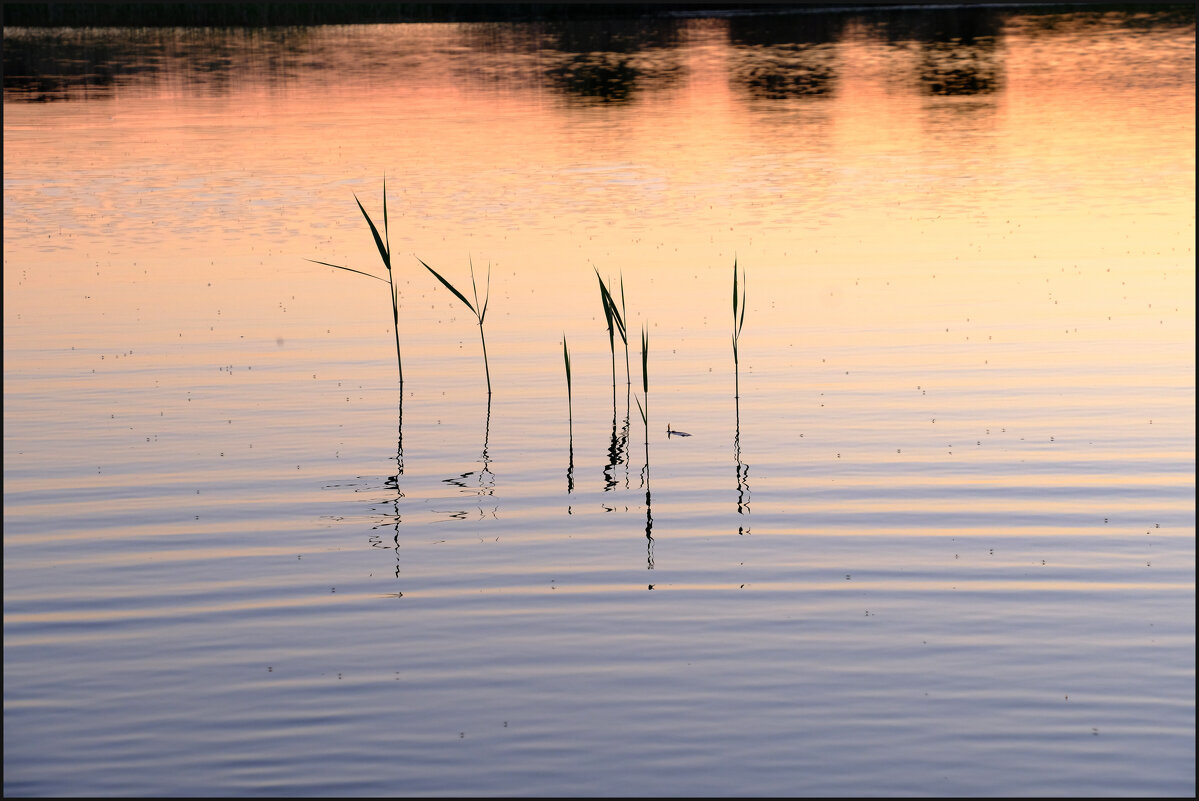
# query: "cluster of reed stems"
615,318
615,315
383,243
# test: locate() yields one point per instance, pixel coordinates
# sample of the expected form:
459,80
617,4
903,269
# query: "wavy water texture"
932,532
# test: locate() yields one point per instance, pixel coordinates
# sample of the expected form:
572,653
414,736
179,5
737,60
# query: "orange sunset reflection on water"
948,485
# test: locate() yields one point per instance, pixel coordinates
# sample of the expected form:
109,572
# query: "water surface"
942,543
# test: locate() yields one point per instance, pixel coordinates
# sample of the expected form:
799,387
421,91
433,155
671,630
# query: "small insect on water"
671,432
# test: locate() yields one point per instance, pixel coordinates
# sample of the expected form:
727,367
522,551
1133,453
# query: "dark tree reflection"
610,61
959,52
782,56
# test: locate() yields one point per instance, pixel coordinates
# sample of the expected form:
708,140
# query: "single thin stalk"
486,368
570,467
395,297
384,245
644,409
738,322
569,402
482,314
479,310
624,315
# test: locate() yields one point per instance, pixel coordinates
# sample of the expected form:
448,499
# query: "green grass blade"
482,309
384,253
607,301
347,269
386,235
449,286
741,321
645,362
734,294
620,317
486,292
566,358
611,311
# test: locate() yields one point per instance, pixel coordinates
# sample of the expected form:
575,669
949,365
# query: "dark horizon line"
271,14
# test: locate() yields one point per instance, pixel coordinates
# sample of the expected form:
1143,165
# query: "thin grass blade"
566,358
734,293
607,301
386,235
347,269
486,294
384,253
611,310
449,286
645,362
620,318
741,321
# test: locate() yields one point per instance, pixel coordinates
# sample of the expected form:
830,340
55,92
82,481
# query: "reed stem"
569,401
738,323
384,246
479,310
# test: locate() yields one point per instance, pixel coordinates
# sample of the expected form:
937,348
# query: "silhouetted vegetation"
584,53
224,15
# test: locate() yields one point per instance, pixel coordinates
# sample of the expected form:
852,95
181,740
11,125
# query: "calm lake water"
942,544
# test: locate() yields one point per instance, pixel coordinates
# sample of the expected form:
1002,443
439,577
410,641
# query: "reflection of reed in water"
649,525
485,483
743,493
618,453
392,520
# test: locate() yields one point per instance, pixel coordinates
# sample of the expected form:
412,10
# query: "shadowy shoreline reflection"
786,55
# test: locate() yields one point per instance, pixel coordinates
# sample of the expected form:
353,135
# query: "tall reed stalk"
480,311
644,409
569,403
616,325
570,419
624,315
384,245
738,322
645,391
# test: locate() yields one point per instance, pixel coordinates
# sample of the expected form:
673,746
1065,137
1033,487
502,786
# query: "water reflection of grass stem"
743,493
480,311
384,245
